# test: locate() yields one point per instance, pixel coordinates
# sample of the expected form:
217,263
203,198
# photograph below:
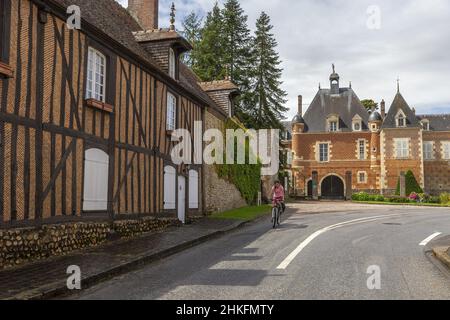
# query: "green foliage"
227,49
369,104
246,177
266,96
209,54
192,29
445,198
363,196
411,184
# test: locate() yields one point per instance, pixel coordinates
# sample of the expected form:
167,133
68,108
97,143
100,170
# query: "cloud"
312,34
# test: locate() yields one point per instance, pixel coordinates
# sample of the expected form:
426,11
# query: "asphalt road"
301,259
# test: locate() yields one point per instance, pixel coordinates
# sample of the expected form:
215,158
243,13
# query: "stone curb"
56,289
441,253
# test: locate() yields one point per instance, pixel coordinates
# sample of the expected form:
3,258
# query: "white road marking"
427,240
308,240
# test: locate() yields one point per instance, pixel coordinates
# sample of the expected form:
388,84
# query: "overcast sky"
413,43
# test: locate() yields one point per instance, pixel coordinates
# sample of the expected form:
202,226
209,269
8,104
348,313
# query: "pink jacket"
278,193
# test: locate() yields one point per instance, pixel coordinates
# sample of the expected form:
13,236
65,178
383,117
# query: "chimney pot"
146,12
383,109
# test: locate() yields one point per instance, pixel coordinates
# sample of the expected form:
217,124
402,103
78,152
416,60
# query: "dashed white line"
427,240
308,240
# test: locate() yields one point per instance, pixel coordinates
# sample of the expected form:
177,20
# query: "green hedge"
411,184
246,177
422,198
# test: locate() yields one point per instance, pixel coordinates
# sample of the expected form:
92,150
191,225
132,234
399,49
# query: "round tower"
375,122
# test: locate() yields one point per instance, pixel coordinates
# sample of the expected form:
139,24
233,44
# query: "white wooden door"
96,166
182,199
193,189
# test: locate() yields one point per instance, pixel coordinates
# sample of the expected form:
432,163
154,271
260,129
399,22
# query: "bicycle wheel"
275,217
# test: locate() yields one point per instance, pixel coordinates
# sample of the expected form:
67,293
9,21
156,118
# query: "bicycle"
276,214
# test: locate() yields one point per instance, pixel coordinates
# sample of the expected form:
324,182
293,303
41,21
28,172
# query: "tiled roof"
218,85
346,104
113,20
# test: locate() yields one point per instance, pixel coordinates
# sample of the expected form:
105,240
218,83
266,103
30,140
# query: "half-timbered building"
86,114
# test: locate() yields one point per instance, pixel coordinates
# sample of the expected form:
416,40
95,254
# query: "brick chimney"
145,12
300,105
383,109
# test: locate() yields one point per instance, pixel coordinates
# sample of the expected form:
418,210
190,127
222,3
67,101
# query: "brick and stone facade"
341,148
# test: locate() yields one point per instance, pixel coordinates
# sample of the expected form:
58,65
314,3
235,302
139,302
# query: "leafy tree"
369,104
192,26
266,94
210,51
411,184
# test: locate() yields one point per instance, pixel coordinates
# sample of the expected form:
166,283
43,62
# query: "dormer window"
357,123
333,123
172,63
425,125
400,119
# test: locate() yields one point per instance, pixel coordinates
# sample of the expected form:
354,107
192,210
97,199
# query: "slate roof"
438,122
400,103
116,22
346,104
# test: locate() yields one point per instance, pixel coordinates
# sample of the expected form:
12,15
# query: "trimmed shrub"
411,184
445,198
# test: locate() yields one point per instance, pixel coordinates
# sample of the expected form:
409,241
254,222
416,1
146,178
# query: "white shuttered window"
170,188
96,164
193,189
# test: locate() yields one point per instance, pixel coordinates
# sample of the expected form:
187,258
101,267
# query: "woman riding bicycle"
278,195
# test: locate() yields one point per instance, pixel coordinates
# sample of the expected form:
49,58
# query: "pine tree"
192,26
210,51
266,94
237,58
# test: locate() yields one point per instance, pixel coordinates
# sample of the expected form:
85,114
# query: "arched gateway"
332,187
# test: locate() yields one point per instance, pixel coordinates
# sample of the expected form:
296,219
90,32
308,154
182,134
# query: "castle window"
446,150
428,150
96,75
171,112
400,119
362,177
333,126
357,123
425,125
333,123
323,152
172,63
362,149
401,148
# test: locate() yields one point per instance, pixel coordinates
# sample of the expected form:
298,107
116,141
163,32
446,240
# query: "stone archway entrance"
333,188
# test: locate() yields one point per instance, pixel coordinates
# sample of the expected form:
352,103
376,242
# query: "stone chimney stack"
146,12
300,105
383,109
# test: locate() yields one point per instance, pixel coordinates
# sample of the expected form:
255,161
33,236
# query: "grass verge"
246,213
436,205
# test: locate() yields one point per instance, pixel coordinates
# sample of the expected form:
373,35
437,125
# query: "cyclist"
278,195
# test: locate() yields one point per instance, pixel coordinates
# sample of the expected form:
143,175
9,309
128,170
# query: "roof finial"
320,86
172,16
398,84
334,70
350,85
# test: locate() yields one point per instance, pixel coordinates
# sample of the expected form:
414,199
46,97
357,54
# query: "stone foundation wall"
20,246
